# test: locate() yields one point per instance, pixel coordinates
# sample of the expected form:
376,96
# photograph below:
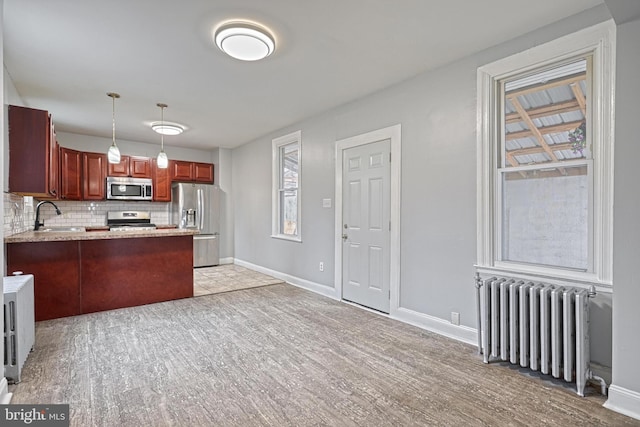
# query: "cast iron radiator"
19,324
538,326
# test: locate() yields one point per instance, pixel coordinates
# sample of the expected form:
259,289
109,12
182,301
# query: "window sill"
560,278
285,237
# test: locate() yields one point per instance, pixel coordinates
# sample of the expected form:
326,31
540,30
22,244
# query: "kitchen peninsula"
84,272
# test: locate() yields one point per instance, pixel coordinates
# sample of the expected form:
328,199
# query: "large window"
286,187
545,159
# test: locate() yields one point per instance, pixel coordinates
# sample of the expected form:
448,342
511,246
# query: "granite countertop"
34,236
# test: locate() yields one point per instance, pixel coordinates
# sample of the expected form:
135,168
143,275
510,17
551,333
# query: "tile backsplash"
19,218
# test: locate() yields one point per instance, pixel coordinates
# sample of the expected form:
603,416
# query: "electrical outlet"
321,267
455,318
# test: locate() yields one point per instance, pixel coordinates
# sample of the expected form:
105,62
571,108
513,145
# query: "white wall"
437,111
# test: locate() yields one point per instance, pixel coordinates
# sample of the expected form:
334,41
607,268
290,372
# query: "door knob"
344,237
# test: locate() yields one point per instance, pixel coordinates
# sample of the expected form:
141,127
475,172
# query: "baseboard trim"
293,280
623,401
434,324
5,396
228,260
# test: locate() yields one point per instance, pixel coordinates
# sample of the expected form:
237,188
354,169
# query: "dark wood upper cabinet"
39,167
33,154
94,172
132,166
161,183
183,171
119,169
70,174
203,172
140,167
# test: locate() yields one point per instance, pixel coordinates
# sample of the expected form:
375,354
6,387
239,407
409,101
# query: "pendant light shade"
162,160
113,155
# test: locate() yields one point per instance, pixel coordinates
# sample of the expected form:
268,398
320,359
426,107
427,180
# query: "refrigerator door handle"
200,208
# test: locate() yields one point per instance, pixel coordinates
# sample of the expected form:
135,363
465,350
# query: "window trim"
276,144
599,41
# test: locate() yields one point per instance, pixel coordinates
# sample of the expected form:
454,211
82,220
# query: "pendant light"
113,155
163,161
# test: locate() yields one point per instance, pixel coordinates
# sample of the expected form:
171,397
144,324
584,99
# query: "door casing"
394,134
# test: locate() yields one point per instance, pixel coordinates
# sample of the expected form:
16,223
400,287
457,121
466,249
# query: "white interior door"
366,225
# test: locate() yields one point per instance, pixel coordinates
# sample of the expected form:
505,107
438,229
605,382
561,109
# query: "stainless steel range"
129,221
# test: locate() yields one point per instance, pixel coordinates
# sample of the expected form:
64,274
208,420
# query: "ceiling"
65,55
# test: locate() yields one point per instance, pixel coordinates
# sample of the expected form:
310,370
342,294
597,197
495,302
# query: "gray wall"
132,148
626,238
224,180
437,111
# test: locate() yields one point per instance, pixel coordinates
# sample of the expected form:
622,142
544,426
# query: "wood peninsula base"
85,276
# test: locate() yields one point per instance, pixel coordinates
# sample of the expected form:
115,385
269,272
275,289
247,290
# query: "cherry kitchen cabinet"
119,169
33,153
56,273
184,171
94,174
161,183
203,172
70,174
131,166
181,170
139,167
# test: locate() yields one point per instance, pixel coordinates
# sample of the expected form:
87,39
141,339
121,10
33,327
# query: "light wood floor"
280,356
227,278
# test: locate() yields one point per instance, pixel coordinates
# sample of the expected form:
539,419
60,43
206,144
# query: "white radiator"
538,326
19,324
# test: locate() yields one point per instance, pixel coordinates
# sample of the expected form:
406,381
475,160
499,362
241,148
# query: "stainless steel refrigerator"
197,206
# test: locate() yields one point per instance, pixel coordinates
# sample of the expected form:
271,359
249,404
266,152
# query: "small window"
286,187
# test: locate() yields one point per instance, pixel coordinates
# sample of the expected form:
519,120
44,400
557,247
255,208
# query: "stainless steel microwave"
123,188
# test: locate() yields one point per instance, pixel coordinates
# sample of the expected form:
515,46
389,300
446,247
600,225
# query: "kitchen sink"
60,229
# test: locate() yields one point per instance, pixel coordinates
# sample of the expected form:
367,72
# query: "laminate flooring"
227,278
280,356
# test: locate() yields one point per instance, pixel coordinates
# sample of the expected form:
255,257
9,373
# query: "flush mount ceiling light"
167,128
244,41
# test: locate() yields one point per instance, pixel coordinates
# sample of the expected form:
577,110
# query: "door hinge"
389,293
389,157
389,225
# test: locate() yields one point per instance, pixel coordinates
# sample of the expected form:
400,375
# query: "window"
545,159
286,187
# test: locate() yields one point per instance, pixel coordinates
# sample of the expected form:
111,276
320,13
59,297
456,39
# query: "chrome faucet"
41,224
